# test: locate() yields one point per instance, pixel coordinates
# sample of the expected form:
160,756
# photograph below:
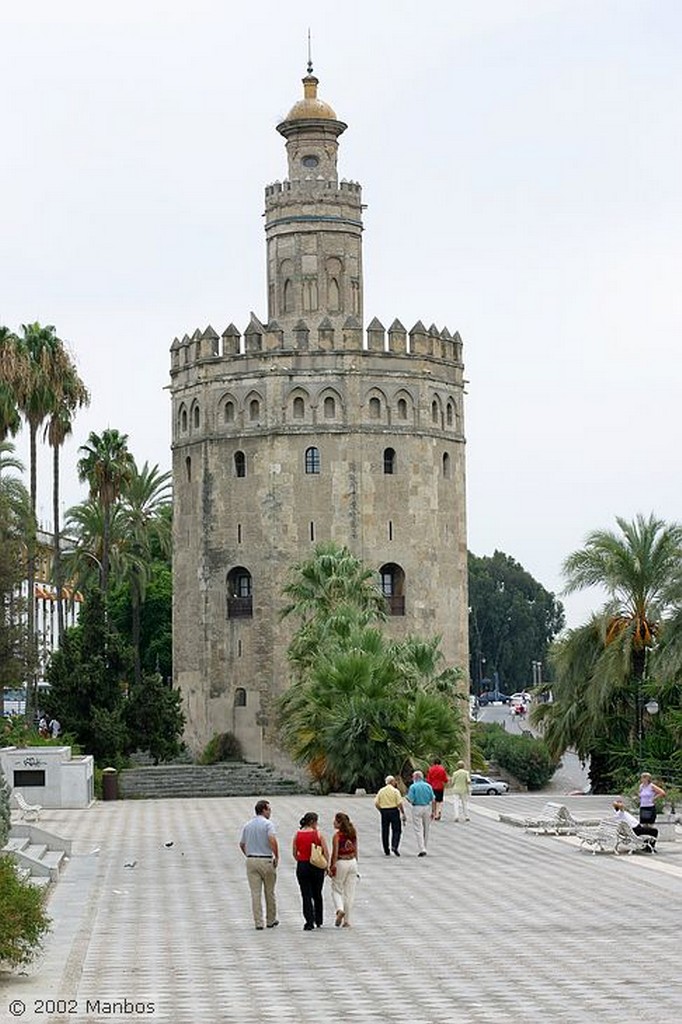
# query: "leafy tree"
10,420
4,809
512,621
15,520
88,677
526,758
143,526
601,668
107,466
155,720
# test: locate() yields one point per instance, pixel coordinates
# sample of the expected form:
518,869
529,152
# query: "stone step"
38,854
219,780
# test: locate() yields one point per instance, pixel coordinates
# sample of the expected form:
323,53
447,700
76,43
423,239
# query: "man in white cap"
389,803
422,798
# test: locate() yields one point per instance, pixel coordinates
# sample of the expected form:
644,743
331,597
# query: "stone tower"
303,429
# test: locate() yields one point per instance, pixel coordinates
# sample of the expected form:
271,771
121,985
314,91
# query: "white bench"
555,819
29,812
613,836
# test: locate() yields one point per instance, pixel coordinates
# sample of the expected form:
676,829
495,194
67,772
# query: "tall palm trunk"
32,694
57,561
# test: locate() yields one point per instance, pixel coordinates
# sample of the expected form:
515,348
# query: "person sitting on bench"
648,832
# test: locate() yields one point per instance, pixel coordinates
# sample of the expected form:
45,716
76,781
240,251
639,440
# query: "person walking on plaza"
421,797
343,868
648,792
437,778
461,788
310,878
389,803
259,845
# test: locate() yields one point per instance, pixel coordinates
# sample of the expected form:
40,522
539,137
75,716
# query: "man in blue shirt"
421,798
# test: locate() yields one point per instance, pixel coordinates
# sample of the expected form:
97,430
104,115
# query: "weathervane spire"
310,55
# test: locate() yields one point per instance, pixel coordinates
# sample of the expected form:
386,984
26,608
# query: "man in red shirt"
437,778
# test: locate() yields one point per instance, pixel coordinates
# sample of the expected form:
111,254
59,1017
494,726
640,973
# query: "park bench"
554,819
29,812
613,836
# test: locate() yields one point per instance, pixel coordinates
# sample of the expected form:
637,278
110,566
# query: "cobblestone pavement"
493,926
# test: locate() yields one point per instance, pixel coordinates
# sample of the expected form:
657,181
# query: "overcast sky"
521,164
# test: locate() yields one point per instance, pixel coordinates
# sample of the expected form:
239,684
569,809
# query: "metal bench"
29,812
554,819
613,836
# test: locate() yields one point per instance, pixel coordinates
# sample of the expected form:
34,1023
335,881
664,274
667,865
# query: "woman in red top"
437,778
310,879
344,867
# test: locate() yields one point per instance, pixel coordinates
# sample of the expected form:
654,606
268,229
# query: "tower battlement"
315,338
308,183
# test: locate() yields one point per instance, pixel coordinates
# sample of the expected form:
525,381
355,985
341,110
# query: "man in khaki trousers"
259,845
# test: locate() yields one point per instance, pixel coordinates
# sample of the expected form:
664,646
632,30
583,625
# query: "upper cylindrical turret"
313,225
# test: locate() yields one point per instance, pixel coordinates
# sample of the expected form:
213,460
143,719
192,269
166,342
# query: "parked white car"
481,784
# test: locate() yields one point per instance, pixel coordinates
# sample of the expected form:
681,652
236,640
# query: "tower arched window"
334,296
312,460
254,409
449,414
188,469
446,465
434,411
197,417
229,412
183,421
239,464
402,409
239,594
374,409
288,296
240,697
299,408
389,461
393,588
329,408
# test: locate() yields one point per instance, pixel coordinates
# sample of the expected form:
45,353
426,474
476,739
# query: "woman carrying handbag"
307,844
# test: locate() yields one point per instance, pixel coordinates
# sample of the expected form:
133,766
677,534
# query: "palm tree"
10,420
143,525
74,395
333,577
38,368
600,668
107,466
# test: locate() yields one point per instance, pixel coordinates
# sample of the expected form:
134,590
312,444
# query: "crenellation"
231,338
419,340
301,336
352,335
328,336
253,335
376,336
325,335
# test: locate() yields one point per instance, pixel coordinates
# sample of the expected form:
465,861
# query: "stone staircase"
193,780
39,854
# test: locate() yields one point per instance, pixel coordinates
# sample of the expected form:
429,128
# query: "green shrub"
23,917
4,810
524,757
224,746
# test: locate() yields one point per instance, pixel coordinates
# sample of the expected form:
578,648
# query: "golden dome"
310,106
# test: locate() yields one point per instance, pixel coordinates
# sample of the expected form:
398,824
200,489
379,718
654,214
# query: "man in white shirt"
259,845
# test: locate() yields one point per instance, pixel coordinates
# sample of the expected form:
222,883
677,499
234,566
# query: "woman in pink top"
648,792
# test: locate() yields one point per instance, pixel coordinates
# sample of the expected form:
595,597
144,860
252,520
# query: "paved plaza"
494,926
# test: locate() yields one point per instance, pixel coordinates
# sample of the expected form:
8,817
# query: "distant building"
309,427
46,599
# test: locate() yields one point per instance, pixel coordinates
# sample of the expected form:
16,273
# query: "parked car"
520,698
481,784
493,697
